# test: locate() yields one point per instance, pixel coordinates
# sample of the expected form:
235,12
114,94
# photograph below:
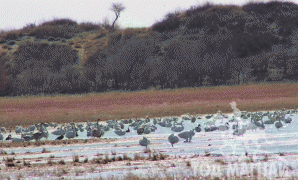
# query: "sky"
15,14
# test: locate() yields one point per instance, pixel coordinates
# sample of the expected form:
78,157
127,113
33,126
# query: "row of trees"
133,59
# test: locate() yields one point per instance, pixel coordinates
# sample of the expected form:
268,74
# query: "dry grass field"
152,103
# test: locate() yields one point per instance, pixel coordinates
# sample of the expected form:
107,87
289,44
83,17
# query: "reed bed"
152,103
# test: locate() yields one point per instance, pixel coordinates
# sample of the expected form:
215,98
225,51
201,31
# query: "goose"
223,127
60,137
3,129
37,136
27,138
18,139
144,142
278,124
8,137
128,130
198,128
140,131
120,132
187,135
209,116
173,139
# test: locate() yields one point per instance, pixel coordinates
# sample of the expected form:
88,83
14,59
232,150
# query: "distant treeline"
206,45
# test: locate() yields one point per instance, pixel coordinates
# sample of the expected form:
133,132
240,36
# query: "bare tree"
117,8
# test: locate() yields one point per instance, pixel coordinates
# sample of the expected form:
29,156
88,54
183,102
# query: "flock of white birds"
147,126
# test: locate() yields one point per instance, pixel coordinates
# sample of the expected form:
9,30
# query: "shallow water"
267,141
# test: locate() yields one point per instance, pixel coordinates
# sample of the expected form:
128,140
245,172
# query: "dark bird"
140,131
127,130
60,137
8,137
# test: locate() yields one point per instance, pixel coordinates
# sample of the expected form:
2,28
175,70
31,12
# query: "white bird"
187,135
239,131
224,127
144,142
173,139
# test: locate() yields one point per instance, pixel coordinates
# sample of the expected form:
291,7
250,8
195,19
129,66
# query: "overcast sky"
138,13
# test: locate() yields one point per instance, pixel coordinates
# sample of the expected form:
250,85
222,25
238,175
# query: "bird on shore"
187,135
278,124
224,127
60,137
173,139
144,142
140,131
8,137
37,136
198,128
3,129
27,138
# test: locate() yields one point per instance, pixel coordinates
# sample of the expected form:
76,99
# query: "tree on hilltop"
117,8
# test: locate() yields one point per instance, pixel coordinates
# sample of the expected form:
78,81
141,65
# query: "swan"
187,135
239,131
177,129
144,142
120,132
173,139
32,128
128,130
59,131
18,130
224,127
